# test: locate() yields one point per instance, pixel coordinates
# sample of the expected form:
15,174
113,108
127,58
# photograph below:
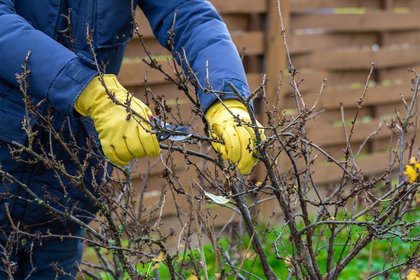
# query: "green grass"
376,257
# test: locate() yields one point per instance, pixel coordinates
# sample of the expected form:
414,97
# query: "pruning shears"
167,131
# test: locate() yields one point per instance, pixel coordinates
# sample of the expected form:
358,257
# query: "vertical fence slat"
275,56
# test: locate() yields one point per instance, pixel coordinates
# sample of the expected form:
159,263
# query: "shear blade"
171,132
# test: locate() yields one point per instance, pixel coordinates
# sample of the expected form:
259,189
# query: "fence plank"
135,49
332,97
236,22
311,80
251,43
299,5
378,21
302,43
360,58
402,37
330,135
134,72
411,4
334,117
240,6
175,96
399,74
233,22
329,173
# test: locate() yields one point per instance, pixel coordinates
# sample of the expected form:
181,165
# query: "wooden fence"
336,40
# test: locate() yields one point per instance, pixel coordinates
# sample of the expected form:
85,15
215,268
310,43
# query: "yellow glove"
238,139
122,138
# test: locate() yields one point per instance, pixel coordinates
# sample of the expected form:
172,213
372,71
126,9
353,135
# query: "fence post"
275,61
275,56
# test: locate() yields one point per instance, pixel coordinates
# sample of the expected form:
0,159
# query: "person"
65,84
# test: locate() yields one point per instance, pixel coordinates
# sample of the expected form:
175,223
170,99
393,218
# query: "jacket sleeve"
204,36
56,72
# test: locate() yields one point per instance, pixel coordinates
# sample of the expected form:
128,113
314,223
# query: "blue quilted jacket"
61,63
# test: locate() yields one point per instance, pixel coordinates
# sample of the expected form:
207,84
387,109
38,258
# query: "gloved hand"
238,138
122,138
